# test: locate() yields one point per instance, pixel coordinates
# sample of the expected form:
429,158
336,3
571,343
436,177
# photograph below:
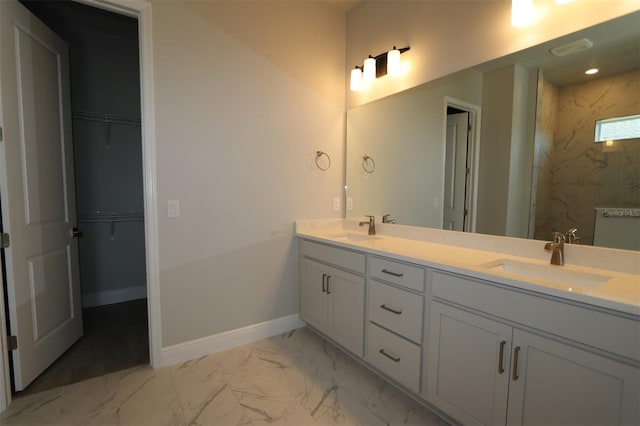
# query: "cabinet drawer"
336,256
394,356
565,319
397,272
395,309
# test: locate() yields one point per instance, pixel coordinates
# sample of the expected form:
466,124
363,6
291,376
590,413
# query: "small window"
618,128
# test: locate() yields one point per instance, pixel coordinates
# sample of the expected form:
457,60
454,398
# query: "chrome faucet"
372,224
385,219
557,248
571,237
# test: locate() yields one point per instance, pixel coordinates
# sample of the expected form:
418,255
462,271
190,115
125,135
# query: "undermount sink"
352,236
568,278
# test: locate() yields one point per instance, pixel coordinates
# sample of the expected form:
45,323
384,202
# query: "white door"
563,385
346,292
468,365
455,171
315,303
37,192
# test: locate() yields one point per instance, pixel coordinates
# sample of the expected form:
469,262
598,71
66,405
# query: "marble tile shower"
292,379
573,174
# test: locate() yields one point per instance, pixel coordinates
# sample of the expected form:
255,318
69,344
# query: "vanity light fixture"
369,73
377,66
393,62
356,79
563,1
521,12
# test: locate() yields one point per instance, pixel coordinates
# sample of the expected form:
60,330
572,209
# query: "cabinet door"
560,384
347,310
468,365
314,306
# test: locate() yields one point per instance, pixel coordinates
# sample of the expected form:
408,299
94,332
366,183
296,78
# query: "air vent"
573,47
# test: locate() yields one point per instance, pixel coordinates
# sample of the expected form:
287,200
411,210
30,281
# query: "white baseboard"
227,340
113,296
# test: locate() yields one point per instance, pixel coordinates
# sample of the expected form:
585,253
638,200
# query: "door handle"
516,351
395,274
391,357
386,308
328,288
501,360
76,233
324,277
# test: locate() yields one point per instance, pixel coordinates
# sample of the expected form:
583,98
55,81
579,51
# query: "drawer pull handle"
516,351
328,288
395,274
500,362
386,308
324,277
391,357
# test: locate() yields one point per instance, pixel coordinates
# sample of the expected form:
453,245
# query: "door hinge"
466,212
12,341
0,134
4,240
468,127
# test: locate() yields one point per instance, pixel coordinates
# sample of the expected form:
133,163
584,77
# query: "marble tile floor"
292,379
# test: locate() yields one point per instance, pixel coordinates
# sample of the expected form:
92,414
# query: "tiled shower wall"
585,174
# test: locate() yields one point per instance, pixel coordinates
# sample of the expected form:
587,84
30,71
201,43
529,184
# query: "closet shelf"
106,118
111,217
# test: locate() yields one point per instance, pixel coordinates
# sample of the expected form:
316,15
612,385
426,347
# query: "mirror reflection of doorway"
460,131
105,102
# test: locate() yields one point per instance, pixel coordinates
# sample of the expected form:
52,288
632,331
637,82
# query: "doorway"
107,145
461,134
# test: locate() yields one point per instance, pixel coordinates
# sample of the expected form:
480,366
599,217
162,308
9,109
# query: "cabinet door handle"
386,308
501,360
324,277
391,357
328,288
516,351
395,274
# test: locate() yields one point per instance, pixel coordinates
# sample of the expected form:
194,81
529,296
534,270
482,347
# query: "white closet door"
37,190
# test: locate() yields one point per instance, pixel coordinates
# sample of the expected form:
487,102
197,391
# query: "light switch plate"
349,204
173,208
336,204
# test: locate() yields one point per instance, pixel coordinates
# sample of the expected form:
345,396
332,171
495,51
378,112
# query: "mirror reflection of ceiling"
616,49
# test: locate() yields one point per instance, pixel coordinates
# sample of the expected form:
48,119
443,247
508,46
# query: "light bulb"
521,12
369,72
356,79
393,62
591,71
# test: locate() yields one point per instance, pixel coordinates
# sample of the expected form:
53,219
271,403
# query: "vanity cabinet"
394,319
483,370
331,298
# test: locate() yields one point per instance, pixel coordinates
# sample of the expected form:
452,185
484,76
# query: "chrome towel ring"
320,154
368,164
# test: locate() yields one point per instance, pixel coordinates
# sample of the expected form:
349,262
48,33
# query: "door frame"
473,155
140,10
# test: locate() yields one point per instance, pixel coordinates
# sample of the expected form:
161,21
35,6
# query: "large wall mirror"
508,147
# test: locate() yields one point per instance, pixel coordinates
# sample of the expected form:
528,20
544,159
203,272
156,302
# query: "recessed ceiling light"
591,71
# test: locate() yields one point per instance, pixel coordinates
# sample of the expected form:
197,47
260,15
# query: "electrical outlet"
336,204
349,203
173,208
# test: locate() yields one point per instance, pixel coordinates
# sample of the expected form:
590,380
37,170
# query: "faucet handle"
372,219
558,238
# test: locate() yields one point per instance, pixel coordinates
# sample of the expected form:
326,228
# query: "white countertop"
460,253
